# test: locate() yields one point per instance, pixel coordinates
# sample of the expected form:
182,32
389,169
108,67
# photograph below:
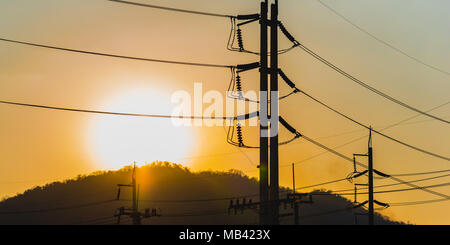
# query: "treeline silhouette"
182,197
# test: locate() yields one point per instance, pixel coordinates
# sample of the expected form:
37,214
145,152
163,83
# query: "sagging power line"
358,81
364,166
174,9
273,71
382,41
116,55
236,118
360,138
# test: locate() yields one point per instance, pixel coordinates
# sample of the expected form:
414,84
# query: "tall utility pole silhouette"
370,156
263,140
274,114
370,171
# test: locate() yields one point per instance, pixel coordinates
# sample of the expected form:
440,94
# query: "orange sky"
38,146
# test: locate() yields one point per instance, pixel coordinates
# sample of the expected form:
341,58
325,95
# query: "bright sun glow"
118,140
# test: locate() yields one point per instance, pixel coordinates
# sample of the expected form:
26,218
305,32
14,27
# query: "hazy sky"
38,146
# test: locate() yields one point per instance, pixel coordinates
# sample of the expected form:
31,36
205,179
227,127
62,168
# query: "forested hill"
179,195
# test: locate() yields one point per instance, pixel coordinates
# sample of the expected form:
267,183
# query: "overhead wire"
364,166
57,208
376,131
381,40
397,204
116,55
358,81
360,138
394,184
365,85
389,191
174,9
246,116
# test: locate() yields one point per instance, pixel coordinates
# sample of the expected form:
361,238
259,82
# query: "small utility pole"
263,140
133,212
274,184
296,214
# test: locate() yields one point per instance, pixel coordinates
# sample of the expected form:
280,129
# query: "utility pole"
274,184
296,218
133,212
263,140
370,171
370,156
293,199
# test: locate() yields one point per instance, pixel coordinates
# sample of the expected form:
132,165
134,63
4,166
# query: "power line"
388,185
174,9
375,131
198,200
418,202
395,190
379,186
422,173
95,220
365,85
209,213
357,139
326,213
364,166
358,81
250,115
324,183
117,56
382,41
57,209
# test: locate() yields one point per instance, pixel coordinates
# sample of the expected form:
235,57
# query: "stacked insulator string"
240,40
239,86
239,135
235,88
236,35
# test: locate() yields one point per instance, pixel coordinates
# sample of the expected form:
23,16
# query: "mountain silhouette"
181,197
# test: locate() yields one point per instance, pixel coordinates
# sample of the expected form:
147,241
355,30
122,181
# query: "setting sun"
318,112
118,141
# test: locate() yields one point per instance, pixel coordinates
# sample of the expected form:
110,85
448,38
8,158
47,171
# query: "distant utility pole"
296,218
133,211
293,192
263,140
294,199
370,170
274,184
297,198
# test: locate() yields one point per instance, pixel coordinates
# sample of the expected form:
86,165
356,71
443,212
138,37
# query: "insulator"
239,135
239,38
239,86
